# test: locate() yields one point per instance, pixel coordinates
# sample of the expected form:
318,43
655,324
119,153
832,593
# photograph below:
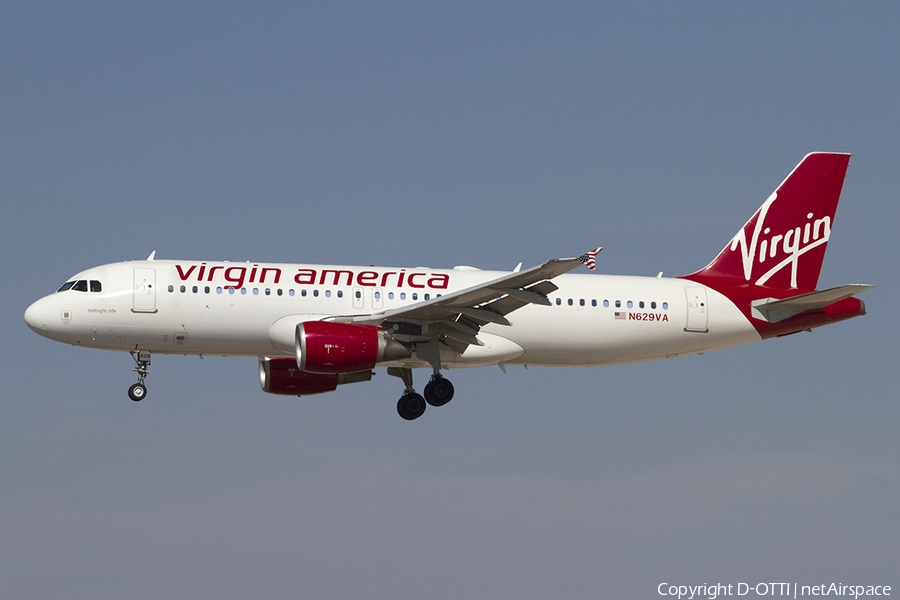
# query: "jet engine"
281,376
329,347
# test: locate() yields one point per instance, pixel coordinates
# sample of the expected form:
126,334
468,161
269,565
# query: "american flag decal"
588,258
620,315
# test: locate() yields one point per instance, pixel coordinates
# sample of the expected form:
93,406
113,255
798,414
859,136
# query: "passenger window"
291,292
606,303
641,304
219,290
316,293
630,304
95,286
340,294
206,290
618,304
427,296
279,291
302,293
171,288
66,286
570,302
358,294
558,301
378,295
653,305
194,289
80,286
391,295
183,289
581,302
231,290
243,291
328,293
415,296
268,292
403,295
593,303
665,306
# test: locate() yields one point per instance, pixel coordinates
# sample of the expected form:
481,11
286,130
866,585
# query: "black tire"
137,392
411,406
439,392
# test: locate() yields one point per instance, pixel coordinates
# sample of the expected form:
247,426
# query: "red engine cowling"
329,347
281,376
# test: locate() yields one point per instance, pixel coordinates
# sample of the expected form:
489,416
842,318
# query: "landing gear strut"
411,405
138,391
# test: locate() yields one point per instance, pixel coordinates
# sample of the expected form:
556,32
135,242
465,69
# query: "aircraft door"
697,309
144,290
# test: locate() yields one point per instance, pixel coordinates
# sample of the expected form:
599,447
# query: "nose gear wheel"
138,391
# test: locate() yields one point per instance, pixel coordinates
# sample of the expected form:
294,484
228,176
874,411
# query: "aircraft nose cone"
36,316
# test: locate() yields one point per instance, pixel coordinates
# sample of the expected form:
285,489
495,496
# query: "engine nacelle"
329,347
281,376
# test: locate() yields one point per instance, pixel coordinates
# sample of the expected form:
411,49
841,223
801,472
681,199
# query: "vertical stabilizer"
783,244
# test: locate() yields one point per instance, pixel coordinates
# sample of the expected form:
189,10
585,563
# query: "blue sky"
414,134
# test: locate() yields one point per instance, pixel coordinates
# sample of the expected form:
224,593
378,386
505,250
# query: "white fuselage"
252,309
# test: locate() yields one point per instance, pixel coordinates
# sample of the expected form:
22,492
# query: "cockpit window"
81,286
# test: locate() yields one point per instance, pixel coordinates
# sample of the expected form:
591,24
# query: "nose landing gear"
138,391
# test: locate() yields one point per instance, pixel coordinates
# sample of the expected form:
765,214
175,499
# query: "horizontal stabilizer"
773,310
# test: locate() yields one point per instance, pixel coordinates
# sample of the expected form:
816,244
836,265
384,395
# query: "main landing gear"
138,391
438,392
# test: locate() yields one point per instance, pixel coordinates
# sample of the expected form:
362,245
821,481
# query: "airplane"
314,327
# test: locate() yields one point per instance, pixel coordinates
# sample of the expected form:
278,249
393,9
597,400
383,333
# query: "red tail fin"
783,244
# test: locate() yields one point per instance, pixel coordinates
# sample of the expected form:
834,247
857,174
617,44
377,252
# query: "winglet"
589,257
152,255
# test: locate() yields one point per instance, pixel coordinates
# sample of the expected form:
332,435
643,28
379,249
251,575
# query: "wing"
456,318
